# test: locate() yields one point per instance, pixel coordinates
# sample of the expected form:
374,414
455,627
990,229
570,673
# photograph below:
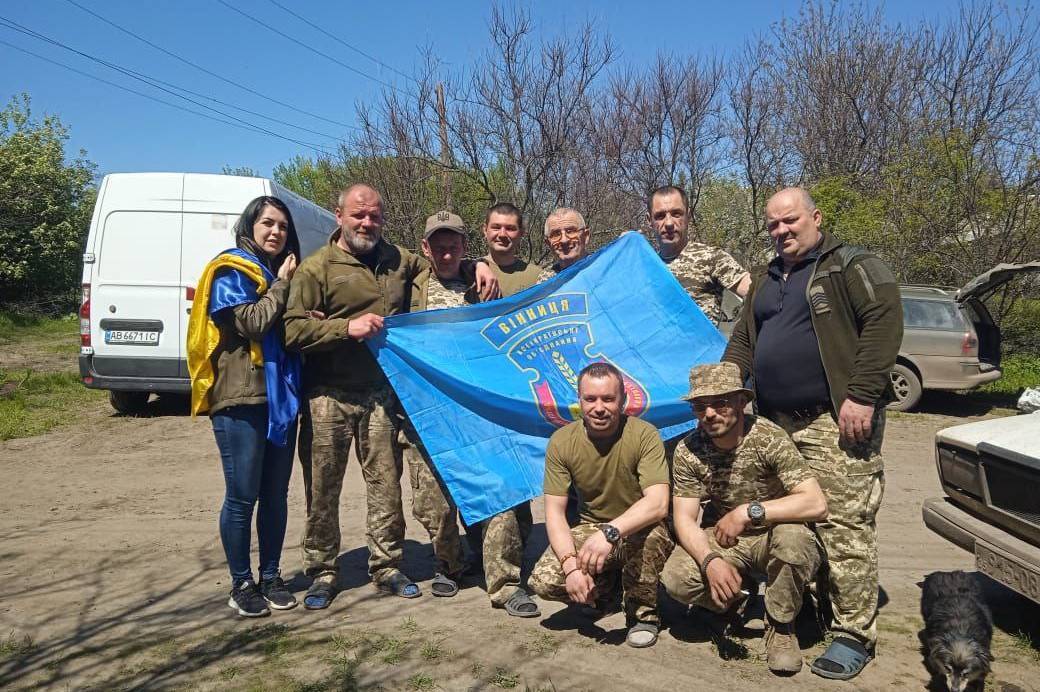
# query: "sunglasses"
719,404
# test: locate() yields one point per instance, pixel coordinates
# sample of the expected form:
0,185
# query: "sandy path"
112,565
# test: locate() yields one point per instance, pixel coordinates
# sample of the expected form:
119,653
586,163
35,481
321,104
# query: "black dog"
958,628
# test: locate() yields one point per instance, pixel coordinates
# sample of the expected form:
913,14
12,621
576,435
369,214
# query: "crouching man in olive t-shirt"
617,465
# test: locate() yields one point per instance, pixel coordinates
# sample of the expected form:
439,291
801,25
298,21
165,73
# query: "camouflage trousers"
853,480
502,541
639,558
431,505
787,554
333,421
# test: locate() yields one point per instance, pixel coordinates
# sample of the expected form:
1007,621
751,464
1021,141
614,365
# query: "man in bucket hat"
758,492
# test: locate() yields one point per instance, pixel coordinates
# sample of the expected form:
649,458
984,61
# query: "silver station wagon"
950,341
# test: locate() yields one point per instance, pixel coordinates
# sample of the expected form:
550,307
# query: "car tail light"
969,343
84,317
189,293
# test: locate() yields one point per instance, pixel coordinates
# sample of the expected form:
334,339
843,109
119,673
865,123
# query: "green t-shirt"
514,277
610,477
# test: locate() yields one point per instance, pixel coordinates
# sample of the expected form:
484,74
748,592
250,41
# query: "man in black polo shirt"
818,339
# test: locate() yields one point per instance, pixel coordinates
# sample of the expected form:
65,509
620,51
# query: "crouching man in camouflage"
617,465
758,491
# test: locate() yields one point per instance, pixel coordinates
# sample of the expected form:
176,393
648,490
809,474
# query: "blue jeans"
255,470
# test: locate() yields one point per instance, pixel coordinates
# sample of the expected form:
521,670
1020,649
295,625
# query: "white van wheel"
907,387
128,402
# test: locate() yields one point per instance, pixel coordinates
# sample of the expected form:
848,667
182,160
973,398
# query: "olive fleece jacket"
237,382
857,315
338,284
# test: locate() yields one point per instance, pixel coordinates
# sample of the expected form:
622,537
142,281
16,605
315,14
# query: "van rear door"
136,282
212,205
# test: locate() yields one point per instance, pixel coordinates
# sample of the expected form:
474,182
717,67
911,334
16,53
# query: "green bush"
1020,371
1020,328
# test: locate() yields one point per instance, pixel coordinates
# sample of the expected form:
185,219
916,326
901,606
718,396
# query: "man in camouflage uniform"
759,492
818,337
444,245
568,237
704,271
501,538
338,298
617,465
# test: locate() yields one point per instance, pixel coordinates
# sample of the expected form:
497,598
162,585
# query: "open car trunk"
971,297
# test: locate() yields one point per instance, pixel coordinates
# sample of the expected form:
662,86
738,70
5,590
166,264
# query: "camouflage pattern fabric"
442,294
788,554
705,272
765,466
548,273
716,379
432,506
639,558
333,420
853,481
504,537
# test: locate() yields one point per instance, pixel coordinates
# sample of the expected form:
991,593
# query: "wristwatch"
756,513
611,532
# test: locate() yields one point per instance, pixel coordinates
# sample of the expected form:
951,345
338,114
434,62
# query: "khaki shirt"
610,480
766,465
338,284
516,277
705,272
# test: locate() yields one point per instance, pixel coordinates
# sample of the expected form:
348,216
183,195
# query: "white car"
990,471
150,237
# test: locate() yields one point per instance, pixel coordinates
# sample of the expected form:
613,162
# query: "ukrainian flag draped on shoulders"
235,277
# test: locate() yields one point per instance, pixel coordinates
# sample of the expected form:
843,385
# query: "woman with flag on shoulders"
242,376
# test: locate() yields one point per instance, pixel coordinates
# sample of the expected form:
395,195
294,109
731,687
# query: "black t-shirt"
789,372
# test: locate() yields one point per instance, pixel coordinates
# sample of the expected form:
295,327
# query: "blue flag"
486,385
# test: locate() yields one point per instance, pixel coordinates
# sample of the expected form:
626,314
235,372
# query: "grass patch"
409,625
542,643
421,682
504,679
33,403
18,327
432,651
1019,372
1023,644
15,646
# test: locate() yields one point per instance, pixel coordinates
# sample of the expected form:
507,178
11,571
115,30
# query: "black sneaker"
276,595
246,599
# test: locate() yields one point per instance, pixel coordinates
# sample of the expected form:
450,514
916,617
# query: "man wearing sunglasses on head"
757,493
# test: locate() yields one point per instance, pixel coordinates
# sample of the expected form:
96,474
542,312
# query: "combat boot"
782,652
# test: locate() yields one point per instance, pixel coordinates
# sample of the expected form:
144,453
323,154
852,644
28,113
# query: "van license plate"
119,336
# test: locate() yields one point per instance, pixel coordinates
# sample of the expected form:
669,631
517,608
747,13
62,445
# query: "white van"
150,237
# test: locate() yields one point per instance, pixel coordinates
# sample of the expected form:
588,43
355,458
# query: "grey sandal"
443,586
642,635
520,605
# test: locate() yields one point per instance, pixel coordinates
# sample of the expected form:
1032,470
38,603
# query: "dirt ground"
114,578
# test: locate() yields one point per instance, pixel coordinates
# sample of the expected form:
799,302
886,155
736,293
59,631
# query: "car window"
931,314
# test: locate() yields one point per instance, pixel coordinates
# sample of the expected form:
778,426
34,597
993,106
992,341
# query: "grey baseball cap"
444,220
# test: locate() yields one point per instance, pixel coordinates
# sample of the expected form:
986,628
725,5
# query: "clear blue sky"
124,132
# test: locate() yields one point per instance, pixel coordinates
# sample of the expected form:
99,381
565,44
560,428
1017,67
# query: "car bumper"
999,555
954,373
143,382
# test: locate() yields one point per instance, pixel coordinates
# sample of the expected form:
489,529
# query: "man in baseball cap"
760,493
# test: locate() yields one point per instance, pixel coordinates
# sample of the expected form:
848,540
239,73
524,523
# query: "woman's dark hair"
244,232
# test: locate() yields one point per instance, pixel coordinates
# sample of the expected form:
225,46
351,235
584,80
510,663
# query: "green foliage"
1020,328
1019,372
45,208
245,171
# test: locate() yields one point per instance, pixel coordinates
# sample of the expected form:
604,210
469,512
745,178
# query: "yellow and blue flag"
486,385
